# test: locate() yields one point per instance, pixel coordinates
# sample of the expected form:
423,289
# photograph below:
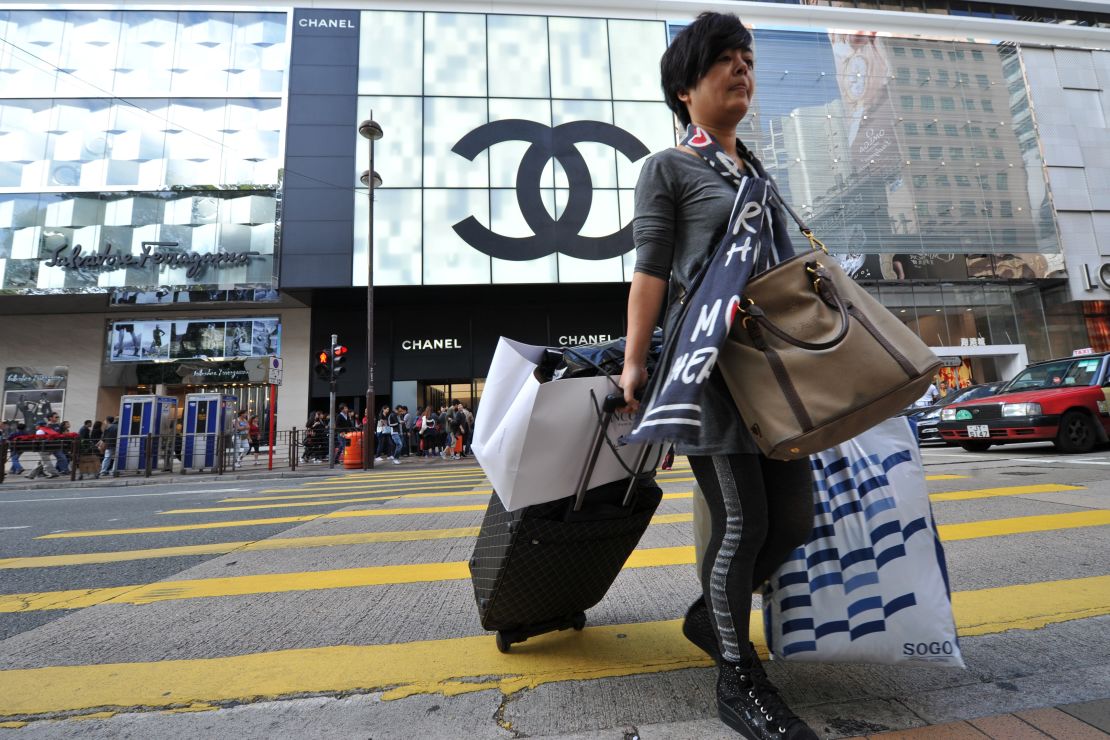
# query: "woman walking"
760,509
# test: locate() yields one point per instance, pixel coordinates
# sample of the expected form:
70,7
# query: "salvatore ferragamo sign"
196,263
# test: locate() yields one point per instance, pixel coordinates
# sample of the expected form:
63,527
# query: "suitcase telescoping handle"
609,406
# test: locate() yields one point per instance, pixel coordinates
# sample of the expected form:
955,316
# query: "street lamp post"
370,130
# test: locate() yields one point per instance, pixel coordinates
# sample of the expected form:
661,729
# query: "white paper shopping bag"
532,439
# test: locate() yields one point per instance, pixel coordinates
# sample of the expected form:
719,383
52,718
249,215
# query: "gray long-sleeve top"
682,211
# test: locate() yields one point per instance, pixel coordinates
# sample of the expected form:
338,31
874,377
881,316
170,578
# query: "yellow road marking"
1005,491
358,513
347,490
354,486
276,543
217,509
428,572
945,476
466,664
463,484
350,490
949,496
1024,525
949,532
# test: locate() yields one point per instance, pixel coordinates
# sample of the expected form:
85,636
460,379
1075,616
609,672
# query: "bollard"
148,448
74,458
294,449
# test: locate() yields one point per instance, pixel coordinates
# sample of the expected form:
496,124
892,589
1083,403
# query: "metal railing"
153,455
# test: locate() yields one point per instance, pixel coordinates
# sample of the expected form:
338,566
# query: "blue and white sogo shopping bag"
870,585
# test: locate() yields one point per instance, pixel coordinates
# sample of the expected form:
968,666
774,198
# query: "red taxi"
1065,401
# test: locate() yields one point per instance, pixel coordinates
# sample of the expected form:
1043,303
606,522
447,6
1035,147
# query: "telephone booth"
138,417
208,424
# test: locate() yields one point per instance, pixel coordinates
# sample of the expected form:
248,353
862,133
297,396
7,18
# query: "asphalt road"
340,607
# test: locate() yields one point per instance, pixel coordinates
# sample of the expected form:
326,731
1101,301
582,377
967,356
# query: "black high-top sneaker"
697,627
750,704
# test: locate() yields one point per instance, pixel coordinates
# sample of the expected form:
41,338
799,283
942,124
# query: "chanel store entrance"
430,352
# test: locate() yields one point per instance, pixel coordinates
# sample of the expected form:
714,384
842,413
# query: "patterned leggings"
760,510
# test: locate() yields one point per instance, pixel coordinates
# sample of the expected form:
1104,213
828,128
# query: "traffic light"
338,361
323,365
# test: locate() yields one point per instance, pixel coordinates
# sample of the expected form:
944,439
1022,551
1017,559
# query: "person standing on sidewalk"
108,446
393,422
760,509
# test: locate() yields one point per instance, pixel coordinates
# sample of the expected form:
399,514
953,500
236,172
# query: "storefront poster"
32,394
184,339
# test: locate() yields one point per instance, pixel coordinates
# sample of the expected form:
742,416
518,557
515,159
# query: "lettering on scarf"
673,409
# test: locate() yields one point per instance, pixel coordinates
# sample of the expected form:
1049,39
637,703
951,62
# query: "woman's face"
724,94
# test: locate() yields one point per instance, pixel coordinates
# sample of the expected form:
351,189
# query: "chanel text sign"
550,235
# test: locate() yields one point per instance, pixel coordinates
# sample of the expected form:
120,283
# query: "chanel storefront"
512,147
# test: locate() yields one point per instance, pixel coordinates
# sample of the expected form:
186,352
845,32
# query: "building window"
915,152
963,79
998,154
903,75
1006,208
967,208
986,105
907,102
899,51
942,181
956,152
911,128
927,102
963,181
936,152
950,129
983,82
975,132
979,152
942,77
948,104
918,53
921,181
1002,181
931,128
977,55
984,181
937,54
922,209
923,76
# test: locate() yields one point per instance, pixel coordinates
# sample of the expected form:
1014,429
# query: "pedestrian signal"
323,365
338,361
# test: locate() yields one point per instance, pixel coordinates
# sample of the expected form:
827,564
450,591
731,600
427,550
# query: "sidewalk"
246,473
1087,720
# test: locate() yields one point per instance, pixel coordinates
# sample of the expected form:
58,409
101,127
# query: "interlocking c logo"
551,235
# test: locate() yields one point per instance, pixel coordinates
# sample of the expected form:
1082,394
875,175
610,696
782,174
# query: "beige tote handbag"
813,360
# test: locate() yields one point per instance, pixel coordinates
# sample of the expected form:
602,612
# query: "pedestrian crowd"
398,433
52,440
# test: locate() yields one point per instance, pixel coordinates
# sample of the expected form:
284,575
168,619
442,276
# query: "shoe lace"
779,716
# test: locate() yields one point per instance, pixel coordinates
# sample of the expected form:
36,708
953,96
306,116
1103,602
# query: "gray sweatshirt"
682,210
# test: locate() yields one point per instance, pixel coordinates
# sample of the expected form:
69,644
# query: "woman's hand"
632,379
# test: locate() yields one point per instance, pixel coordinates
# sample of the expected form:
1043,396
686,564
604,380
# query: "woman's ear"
684,96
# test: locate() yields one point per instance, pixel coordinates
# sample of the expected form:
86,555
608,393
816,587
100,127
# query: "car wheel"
1077,433
976,446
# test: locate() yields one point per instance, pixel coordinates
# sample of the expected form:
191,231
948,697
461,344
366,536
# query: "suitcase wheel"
504,644
578,621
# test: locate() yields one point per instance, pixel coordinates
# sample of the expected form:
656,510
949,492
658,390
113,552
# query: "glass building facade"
130,133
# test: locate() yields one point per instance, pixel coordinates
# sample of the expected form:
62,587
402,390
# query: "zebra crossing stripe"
466,664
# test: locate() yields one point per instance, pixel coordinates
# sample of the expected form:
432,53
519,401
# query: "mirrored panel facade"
912,159
112,122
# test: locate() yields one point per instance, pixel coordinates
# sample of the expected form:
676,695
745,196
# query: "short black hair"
694,51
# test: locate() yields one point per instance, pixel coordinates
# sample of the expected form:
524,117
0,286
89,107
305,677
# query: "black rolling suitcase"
540,568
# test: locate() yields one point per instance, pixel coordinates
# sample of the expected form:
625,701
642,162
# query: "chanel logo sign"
550,235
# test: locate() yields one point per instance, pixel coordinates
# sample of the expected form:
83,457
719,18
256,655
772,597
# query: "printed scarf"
672,410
